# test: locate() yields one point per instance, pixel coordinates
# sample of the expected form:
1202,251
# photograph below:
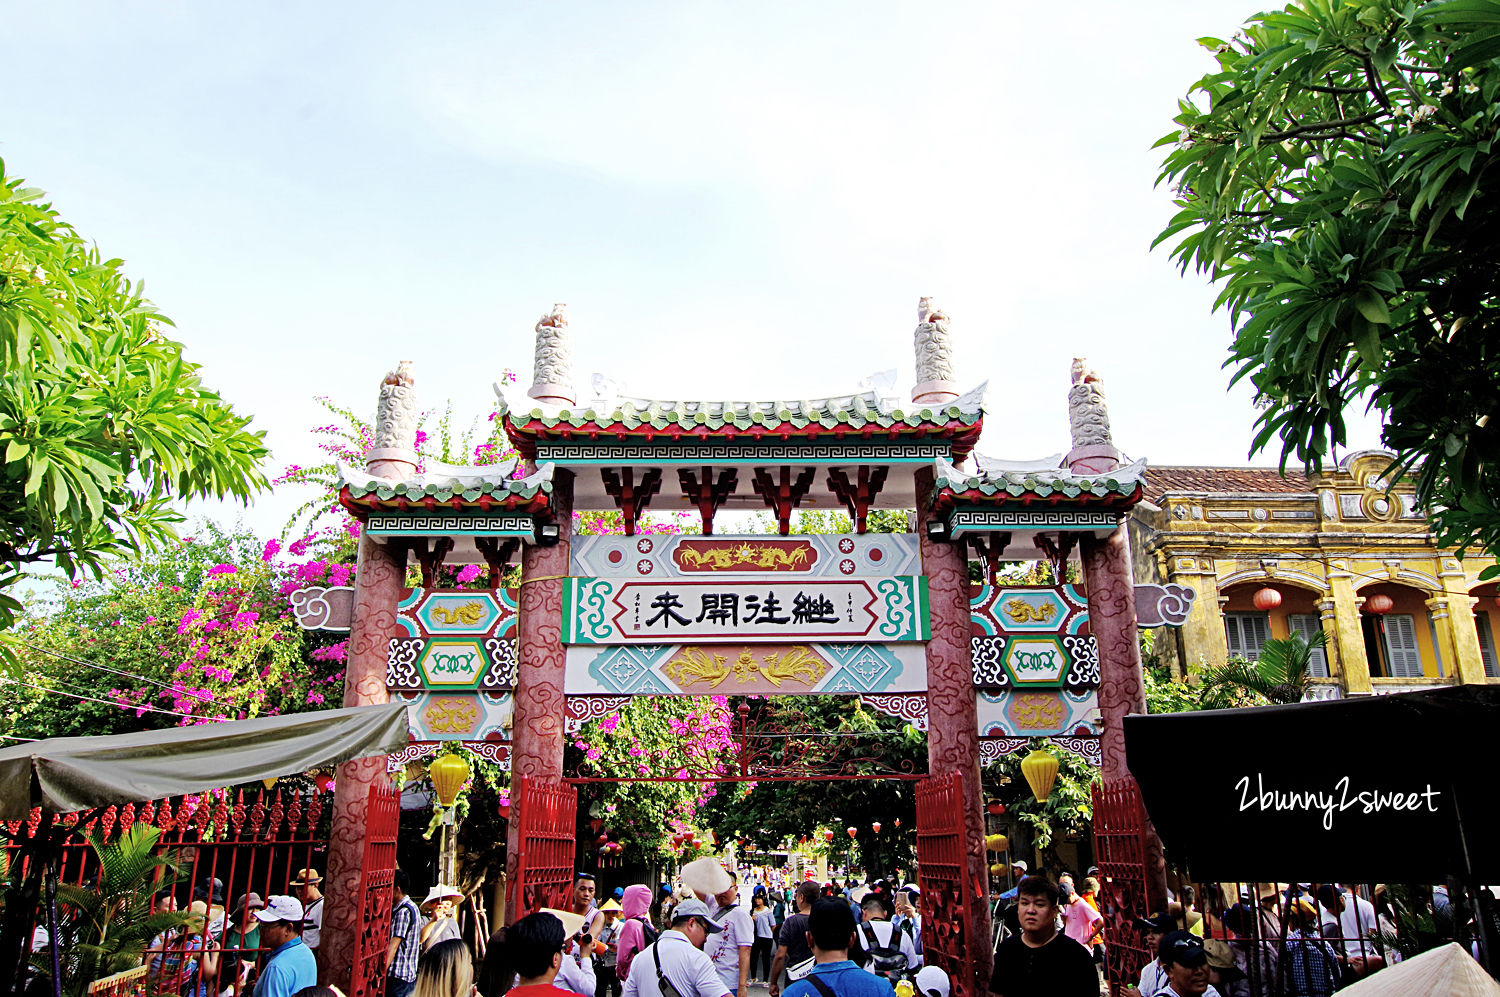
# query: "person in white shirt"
307,886
678,956
730,948
1349,920
876,932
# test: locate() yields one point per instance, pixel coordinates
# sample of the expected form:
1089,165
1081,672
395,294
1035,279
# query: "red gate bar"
544,862
943,874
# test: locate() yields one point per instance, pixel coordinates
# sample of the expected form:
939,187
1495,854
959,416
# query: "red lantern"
875,827
596,824
505,811
853,831
1379,604
1266,599
323,780
827,835
898,821
995,807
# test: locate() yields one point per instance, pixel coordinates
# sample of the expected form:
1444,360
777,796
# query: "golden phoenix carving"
695,664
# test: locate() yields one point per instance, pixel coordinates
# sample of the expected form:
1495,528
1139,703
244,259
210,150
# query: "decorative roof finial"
553,367
936,380
394,453
1088,418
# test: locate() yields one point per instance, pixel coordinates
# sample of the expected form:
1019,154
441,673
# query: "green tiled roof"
997,480
646,415
446,482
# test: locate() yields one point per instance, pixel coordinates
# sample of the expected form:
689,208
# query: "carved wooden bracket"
498,553
989,547
431,559
632,498
1058,552
706,493
782,498
857,495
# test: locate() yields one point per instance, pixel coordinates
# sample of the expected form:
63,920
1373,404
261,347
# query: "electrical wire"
102,702
113,671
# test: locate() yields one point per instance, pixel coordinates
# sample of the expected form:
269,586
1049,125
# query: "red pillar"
952,716
537,725
377,590
1111,596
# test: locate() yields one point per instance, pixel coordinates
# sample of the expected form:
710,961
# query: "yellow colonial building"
1269,554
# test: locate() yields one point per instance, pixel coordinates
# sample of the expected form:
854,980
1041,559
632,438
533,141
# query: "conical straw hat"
706,876
1448,971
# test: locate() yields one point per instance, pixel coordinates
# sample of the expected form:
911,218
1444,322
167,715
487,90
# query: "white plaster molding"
1296,579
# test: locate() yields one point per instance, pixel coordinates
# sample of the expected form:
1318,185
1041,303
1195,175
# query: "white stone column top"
394,453
552,368
1088,420
936,378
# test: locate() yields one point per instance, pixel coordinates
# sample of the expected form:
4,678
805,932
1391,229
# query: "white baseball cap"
281,909
932,982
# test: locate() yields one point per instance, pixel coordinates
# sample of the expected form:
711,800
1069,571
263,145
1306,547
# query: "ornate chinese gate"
947,894
543,864
884,616
1122,848
372,942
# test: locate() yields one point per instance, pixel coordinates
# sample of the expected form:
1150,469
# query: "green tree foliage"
1068,809
107,926
839,732
102,422
1282,674
1167,694
1336,173
666,738
198,631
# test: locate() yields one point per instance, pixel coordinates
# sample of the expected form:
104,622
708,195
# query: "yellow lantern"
1040,770
449,773
998,869
996,842
268,783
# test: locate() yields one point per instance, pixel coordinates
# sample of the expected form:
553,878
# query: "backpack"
888,961
649,933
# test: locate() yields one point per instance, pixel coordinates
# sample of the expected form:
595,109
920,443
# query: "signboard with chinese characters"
810,556
456,716
739,669
737,610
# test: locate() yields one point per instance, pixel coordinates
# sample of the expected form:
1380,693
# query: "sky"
735,201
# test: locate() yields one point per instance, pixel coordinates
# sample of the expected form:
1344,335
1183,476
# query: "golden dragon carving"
1021,611
765,556
469,614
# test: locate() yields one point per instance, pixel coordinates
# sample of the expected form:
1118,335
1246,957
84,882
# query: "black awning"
1353,790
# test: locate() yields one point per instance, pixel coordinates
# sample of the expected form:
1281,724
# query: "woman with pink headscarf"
636,932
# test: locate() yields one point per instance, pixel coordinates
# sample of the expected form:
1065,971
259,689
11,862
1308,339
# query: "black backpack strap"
823,988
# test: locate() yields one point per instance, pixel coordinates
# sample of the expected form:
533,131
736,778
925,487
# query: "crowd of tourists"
701,938
1252,940
697,938
257,947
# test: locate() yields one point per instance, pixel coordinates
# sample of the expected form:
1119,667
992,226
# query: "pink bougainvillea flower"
222,569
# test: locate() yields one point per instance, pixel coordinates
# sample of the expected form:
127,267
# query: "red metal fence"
372,944
548,812
942,863
1120,849
227,847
